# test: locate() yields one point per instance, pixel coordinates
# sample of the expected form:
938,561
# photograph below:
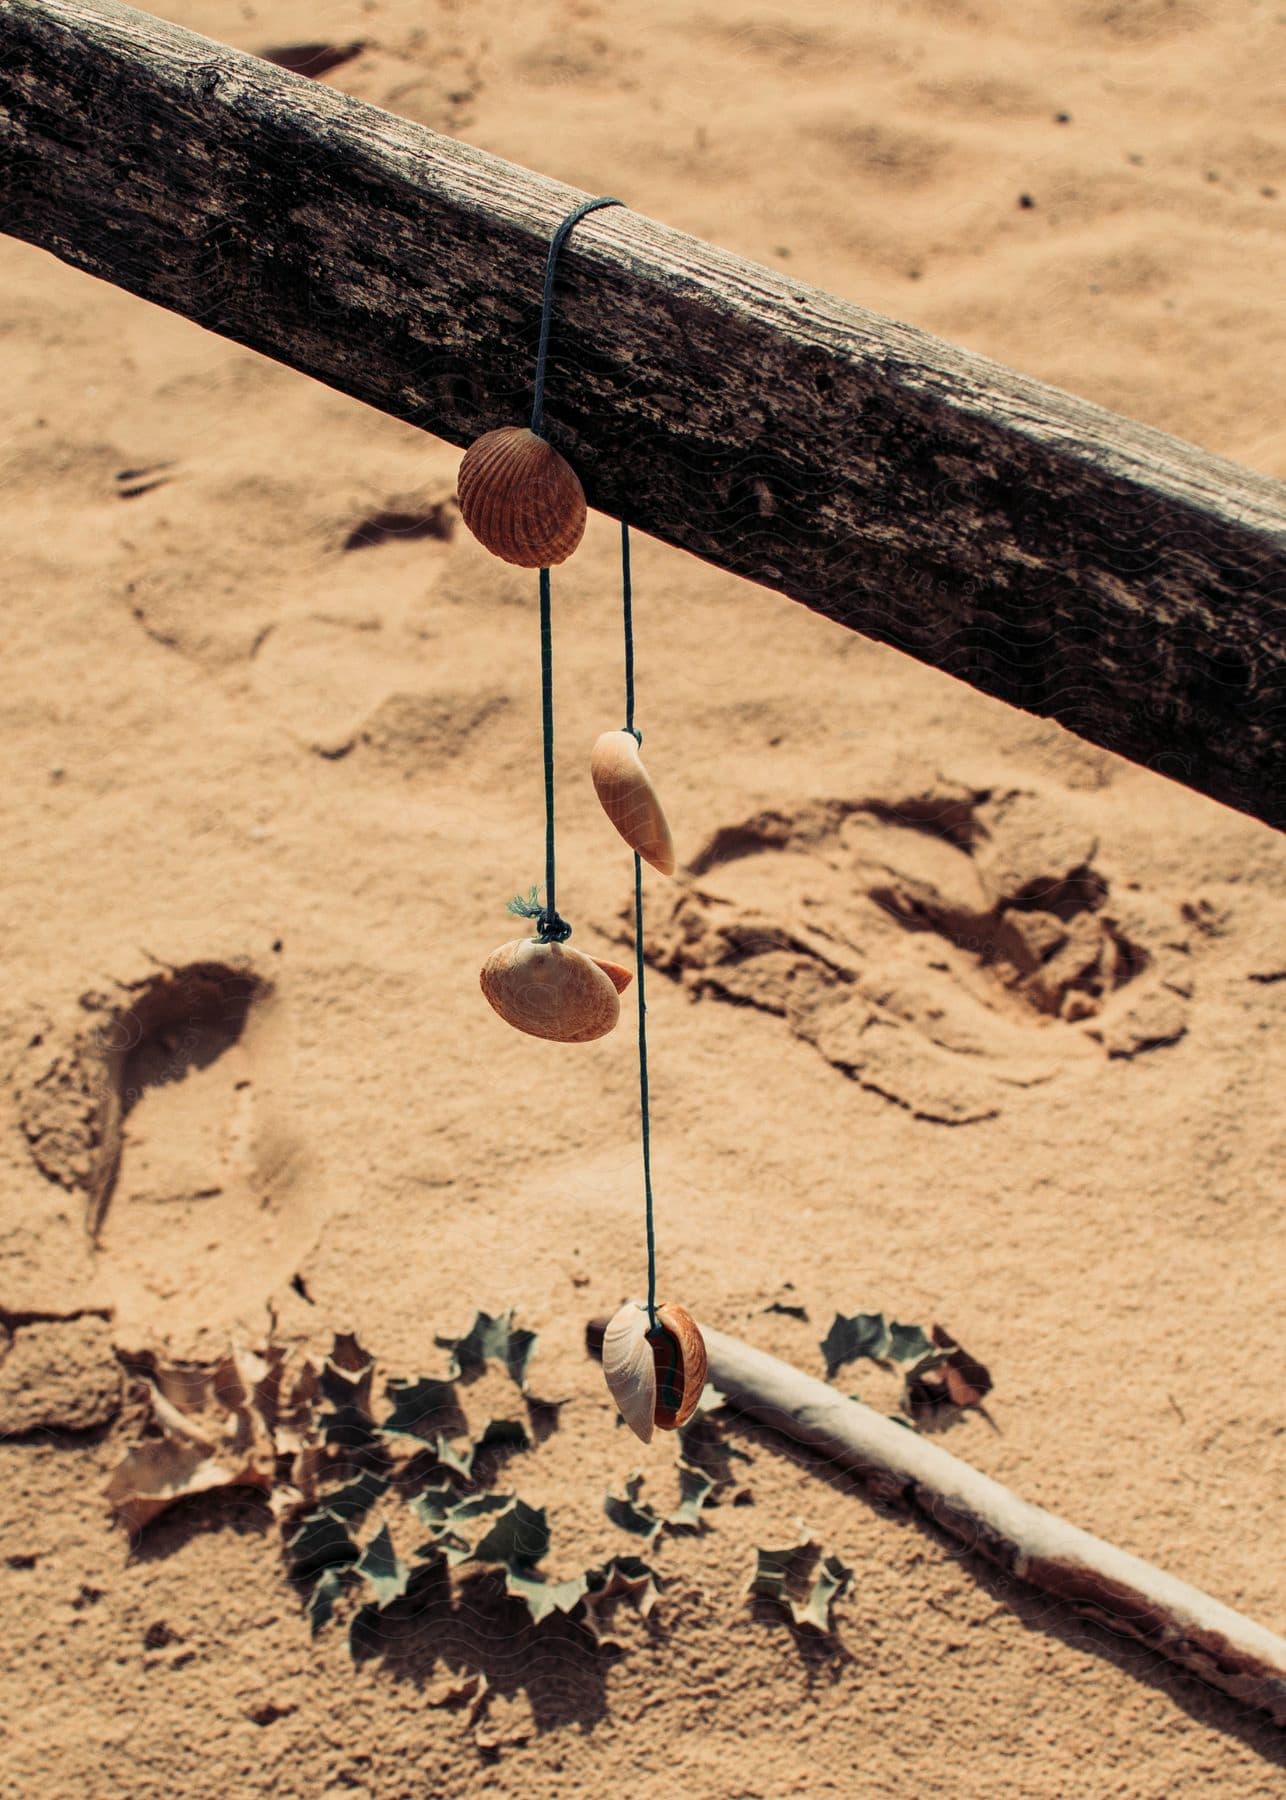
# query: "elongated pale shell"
521,499
629,799
619,977
552,991
654,1382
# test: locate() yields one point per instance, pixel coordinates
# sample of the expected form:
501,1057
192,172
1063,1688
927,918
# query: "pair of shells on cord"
655,1377
521,499
629,799
551,991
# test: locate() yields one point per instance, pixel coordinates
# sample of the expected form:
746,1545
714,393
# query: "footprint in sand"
167,1111
339,670
941,948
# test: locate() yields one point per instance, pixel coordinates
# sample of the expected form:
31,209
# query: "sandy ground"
231,741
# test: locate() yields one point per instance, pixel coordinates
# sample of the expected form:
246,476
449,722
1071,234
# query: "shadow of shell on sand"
165,1108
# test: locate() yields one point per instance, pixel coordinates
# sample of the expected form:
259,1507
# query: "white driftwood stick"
1120,1591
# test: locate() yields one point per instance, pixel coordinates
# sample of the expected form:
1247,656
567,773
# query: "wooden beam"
1069,561
1128,1596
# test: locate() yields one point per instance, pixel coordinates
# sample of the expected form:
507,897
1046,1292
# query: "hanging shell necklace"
524,502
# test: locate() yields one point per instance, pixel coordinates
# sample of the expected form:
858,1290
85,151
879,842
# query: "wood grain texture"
1048,552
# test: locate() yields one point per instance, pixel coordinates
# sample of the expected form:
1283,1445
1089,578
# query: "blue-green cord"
627,608
547,301
643,1102
550,928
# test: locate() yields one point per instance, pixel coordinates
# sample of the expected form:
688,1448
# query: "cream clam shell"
628,798
552,991
629,1367
520,498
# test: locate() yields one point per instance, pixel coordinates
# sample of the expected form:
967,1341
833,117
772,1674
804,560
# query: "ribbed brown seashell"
521,499
655,1381
552,991
629,799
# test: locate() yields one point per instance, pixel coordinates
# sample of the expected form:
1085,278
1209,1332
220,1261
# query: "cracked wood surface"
1068,561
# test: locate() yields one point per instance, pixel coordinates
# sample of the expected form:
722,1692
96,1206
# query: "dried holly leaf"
448,1546
496,1338
702,1444
498,1435
623,1576
348,1428
433,1505
516,1541
519,1536
832,1580
346,1375
695,1488
382,1569
348,1354
246,1379
182,1392
208,1443
865,1334
512,1532
321,1542
453,1521
783,1576
968,1382
626,1511
158,1473
284,1502
415,1404
502,1434
320,1605
543,1597
355,1500
365,1633
776,1571
957,1378
186,1419
908,1343
630,1575
345,1382
443,1506
459,1460
627,1577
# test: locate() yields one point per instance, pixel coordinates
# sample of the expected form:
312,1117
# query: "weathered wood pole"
1069,561
1122,1592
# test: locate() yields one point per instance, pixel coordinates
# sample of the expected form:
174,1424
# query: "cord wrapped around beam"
1069,561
